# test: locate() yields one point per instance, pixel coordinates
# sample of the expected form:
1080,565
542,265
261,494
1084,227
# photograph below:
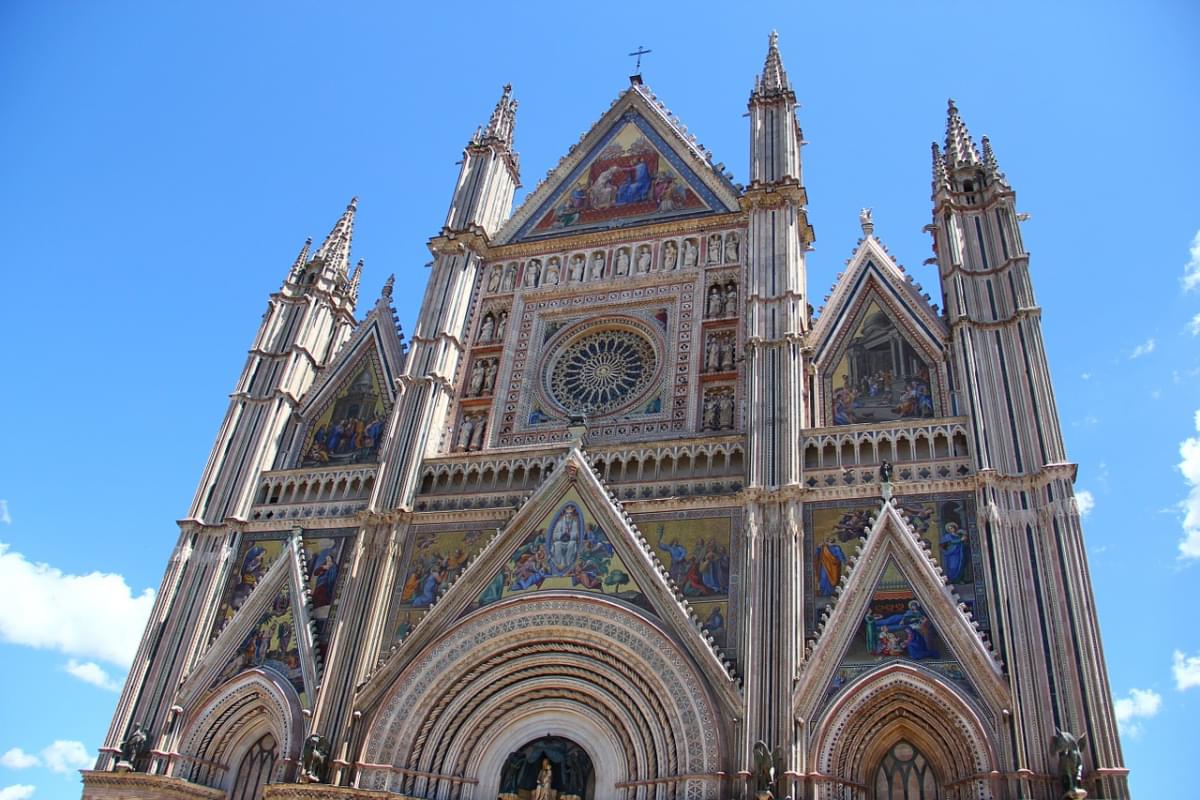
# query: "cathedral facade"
627,518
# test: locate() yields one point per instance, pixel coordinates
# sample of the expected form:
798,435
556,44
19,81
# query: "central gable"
636,165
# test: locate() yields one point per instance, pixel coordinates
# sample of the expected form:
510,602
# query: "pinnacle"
302,258
940,179
773,79
991,165
335,250
503,121
960,149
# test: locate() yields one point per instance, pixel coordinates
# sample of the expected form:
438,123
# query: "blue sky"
162,164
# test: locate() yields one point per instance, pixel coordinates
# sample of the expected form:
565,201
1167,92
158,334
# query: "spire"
960,150
503,122
941,181
335,250
774,79
301,259
355,278
991,165
388,285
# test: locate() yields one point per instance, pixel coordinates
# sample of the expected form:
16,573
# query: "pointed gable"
892,602
570,536
637,164
879,346
343,416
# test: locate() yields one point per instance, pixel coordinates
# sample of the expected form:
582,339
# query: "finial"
864,219
302,257
503,122
773,79
940,179
960,149
335,250
388,285
991,165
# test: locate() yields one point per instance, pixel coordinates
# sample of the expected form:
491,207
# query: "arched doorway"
905,774
553,760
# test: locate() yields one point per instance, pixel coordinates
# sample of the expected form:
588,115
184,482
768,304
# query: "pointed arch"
252,721
902,702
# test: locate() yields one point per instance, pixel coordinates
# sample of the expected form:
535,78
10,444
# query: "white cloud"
67,755
1186,670
1087,376
1143,349
1140,704
1191,270
1189,465
1086,502
1193,328
19,791
6,518
17,758
93,673
94,615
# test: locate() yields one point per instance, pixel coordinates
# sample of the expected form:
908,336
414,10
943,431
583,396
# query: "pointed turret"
334,252
296,273
774,79
941,179
491,172
960,149
503,122
991,166
355,279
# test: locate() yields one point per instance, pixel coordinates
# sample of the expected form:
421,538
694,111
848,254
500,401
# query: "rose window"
602,371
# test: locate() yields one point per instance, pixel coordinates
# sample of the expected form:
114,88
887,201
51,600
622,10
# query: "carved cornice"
453,243
319,791
121,785
613,236
990,478
774,195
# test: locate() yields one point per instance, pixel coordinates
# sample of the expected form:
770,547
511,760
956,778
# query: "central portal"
549,768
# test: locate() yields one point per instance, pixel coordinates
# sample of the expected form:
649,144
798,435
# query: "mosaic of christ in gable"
628,179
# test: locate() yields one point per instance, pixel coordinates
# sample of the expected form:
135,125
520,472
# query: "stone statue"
714,249
726,352
1070,764
493,284
725,409
576,272
731,248
510,278
465,429
133,748
533,273
670,256
487,328
489,376
623,261
643,258
477,434
768,771
690,252
543,790
864,219
552,270
715,302
729,308
711,359
598,266
314,759
502,325
477,374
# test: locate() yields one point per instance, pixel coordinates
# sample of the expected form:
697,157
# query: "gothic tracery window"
905,774
254,771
